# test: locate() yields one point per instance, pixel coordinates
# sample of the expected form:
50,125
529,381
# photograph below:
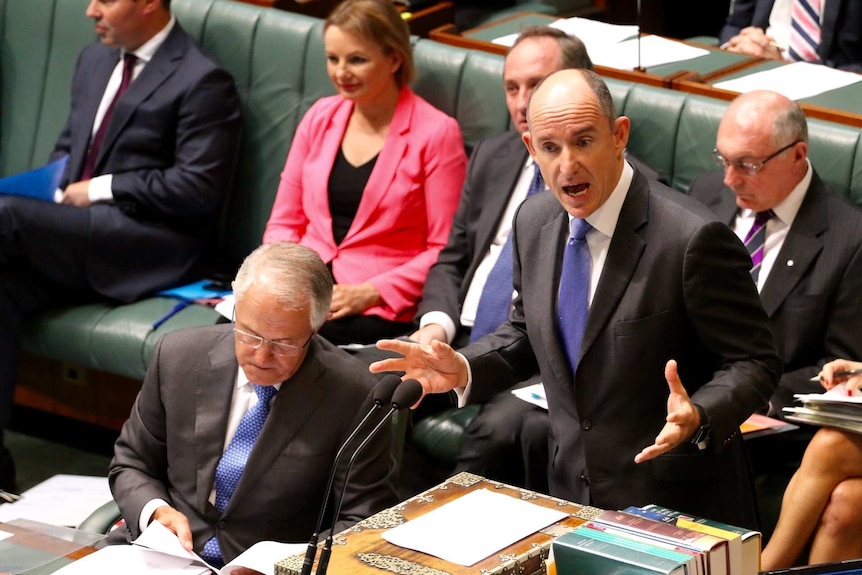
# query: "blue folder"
40,183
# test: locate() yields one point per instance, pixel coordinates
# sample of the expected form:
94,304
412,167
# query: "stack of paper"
617,46
834,408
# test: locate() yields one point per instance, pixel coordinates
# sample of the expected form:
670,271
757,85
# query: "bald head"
576,139
768,131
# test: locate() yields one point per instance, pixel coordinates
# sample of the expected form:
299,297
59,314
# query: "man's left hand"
77,194
683,418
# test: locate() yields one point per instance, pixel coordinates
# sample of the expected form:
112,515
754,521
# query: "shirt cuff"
443,320
100,189
147,512
463,393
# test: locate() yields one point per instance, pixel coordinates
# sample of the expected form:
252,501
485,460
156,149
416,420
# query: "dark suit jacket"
813,294
841,30
675,285
171,444
171,147
492,174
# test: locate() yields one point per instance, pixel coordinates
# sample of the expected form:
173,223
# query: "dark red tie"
96,143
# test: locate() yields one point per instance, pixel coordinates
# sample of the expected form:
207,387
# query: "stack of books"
653,539
834,408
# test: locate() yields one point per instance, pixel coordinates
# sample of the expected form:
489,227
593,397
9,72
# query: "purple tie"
573,300
755,239
96,143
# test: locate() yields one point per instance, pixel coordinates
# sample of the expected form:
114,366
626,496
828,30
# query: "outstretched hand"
683,418
435,366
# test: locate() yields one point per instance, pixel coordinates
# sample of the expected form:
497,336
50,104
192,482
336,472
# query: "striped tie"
755,239
805,30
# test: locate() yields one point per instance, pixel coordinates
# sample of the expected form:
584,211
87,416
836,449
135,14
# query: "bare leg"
831,457
837,537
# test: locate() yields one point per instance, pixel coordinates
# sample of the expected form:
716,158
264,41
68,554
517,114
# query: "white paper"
131,560
795,81
473,527
225,306
60,500
837,394
534,394
5,535
617,46
651,51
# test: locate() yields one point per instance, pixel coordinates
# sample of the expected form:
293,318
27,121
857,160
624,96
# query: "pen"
839,374
174,311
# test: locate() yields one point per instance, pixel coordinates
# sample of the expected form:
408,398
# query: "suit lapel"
393,151
161,67
801,246
624,253
291,410
723,205
213,393
828,27
506,168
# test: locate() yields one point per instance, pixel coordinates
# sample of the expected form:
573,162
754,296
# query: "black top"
346,183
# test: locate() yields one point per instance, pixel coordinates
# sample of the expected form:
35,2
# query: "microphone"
639,67
405,395
382,394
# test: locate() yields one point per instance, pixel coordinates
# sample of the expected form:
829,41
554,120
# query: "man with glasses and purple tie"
636,306
806,246
236,427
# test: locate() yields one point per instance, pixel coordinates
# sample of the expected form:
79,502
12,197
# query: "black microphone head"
385,388
407,394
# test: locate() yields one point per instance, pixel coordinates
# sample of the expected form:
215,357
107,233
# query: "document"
534,394
60,500
158,550
473,527
40,183
617,46
795,81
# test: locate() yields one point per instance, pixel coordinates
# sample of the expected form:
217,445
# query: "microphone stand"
382,394
406,395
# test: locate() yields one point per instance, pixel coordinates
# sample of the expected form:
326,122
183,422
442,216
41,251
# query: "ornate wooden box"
362,551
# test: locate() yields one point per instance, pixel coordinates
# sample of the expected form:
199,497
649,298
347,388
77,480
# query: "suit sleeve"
741,16
442,291
137,473
205,146
716,279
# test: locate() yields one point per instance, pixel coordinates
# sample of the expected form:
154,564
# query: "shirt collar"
146,50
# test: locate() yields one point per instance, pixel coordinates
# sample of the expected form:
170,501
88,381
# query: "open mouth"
575,190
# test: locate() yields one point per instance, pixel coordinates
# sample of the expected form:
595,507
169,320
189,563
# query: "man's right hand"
753,41
436,365
176,522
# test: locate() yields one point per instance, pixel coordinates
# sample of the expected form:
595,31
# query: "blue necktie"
573,302
496,299
233,459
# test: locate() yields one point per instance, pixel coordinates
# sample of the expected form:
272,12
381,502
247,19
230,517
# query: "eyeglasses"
276,347
749,167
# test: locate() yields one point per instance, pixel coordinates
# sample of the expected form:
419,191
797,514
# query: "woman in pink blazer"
372,178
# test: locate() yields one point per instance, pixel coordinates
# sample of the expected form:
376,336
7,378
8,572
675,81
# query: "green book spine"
577,553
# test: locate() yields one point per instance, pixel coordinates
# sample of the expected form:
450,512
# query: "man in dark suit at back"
508,439
810,278
643,322
151,142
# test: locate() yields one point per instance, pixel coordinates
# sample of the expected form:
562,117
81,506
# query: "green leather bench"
277,60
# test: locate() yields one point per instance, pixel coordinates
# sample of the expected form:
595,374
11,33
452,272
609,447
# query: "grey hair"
295,274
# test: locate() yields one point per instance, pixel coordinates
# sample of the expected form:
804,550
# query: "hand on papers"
176,523
754,42
842,371
682,421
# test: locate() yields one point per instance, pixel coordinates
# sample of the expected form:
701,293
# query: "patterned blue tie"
573,302
233,460
496,299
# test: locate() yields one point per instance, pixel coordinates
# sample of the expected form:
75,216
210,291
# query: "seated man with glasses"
236,427
807,260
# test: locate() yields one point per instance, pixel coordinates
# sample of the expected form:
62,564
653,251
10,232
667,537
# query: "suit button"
220,524
586,424
584,478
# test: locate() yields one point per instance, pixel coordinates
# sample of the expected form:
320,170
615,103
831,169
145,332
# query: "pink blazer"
407,206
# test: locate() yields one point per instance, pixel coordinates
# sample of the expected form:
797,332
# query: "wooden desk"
362,550
481,38
40,549
695,76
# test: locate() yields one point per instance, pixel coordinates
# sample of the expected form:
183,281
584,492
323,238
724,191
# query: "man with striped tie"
822,31
806,257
